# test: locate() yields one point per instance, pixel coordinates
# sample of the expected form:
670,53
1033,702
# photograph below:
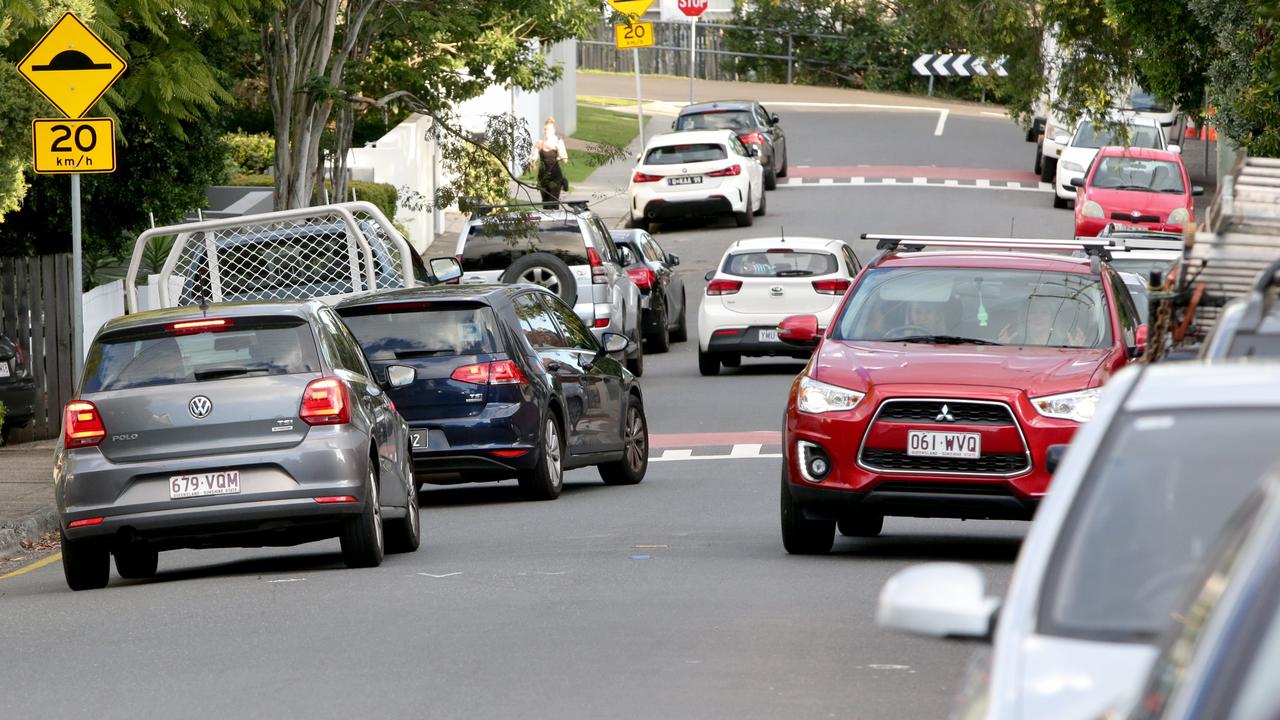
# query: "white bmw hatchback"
697,174
761,282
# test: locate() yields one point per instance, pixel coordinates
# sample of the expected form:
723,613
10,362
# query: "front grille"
928,411
993,464
1130,217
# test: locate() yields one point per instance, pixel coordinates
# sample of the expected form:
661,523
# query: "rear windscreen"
496,246
736,120
150,356
426,332
692,153
779,264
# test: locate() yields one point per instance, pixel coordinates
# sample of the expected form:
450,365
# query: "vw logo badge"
945,415
200,407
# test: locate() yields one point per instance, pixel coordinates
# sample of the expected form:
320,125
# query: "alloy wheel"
636,441
542,276
552,455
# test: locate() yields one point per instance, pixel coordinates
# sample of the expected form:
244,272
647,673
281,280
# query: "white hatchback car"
1080,149
697,174
761,282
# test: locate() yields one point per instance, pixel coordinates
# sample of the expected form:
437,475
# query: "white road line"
889,181
919,180
761,456
426,574
951,183
942,122
1047,187
676,454
1044,187
943,113
745,450
825,181
983,182
795,181
857,181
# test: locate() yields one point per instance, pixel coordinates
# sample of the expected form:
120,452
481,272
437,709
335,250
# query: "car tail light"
727,331
724,287
498,372
325,402
836,286
82,425
779,250
601,323
752,138
329,499
598,272
19,356
727,172
193,327
86,522
643,277
645,177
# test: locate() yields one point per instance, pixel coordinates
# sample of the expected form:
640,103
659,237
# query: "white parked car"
702,173
761,282
1080,149
1134,510
1164,113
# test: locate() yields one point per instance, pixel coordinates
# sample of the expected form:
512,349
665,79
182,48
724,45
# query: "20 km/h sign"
71,66
635,35
66,147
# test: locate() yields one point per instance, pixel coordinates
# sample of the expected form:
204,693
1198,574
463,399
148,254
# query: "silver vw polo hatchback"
235,425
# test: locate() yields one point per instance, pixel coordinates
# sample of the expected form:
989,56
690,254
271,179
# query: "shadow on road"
465,495
274,565
971,548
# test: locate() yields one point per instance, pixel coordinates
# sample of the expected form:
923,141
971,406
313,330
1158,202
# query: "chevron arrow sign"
958,65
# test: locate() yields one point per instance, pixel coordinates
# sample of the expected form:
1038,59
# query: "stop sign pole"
692,8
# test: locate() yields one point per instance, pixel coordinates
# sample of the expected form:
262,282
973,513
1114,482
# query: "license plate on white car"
768,336
691,180
923,443
223,482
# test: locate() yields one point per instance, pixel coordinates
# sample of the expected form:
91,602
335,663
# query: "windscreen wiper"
943,340
225,372
793,273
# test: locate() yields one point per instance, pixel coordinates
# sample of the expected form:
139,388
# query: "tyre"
85,566
546,270
681,333
770,179
1039,161
708,364
764,198
546,479
731,361
1048,169
635,449
1032,133
660,341
861,525
136,562
745,218
1059,203
800,535
782,171
361,537
635,363
405,534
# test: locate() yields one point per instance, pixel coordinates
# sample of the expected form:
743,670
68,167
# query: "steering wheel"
903,331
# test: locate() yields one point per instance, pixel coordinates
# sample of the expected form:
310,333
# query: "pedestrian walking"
549,152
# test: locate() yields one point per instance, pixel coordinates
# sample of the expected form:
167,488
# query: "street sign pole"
635,56
77,282
693,54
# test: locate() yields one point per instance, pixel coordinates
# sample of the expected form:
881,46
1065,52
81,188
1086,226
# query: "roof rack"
892,243
570,205
1167,242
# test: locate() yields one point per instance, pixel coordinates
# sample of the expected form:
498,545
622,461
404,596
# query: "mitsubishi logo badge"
200,407
945,415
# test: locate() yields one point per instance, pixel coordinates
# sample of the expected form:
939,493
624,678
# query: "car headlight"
1072,167
1179,217
1078,406
1092,209
819,397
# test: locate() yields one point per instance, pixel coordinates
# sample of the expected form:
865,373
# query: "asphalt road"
671,599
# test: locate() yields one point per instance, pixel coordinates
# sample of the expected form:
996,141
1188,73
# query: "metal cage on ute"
313,252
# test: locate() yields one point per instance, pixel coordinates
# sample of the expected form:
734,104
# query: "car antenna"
1011,226
782,233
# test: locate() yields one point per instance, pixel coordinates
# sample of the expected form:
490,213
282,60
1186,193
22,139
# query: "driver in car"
1043,326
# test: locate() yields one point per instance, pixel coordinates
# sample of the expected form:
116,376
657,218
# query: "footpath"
27,511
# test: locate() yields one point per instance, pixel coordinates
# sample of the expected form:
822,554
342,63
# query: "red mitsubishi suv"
949,383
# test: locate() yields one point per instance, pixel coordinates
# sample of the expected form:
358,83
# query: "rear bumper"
481,448
746,341
658,209
19,399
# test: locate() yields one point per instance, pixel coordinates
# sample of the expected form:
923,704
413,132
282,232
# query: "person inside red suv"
947,384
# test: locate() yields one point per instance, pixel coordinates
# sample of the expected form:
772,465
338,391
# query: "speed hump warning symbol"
71,66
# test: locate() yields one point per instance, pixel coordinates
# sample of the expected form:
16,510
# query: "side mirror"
1197,191
1062,139
946,600
400,376
773,119
1053,457
710,274
445,269
1140,338
799,330
615,342
1175,149
1077,182
673,259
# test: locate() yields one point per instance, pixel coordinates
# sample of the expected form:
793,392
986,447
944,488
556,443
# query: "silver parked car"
237,425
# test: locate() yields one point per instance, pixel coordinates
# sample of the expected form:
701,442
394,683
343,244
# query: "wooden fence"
35,310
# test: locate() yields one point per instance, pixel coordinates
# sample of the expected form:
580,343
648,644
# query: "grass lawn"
595,125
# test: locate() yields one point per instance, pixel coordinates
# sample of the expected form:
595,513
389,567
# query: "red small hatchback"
948,384
1135,186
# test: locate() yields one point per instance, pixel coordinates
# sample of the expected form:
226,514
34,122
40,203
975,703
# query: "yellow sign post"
71,66
67,147
635,35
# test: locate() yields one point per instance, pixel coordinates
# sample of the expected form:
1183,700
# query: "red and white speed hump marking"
692,8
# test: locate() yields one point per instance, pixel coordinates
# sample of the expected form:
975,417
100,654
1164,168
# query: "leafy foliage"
252,154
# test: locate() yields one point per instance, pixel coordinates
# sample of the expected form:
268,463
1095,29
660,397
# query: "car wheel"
546,270
1059,203
635,363
764,199
731,361
1048,169
136,562
708,364
782,171
1039,160
635,450
85,566
681,333
800,535
361,538
660,341
861,525
405,534
545,479
745,218
770,179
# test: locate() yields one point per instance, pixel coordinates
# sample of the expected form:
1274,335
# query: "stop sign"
692,8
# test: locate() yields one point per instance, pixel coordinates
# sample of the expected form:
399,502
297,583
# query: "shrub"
252,154
381,194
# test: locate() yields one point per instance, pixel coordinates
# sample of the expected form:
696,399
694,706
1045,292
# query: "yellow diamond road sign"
71,66
631,8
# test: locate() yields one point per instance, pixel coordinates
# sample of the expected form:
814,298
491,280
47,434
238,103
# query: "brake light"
498,372
20,356
509,453
192,327
837,286
724,287
643,277
86,522
82,425
752,138
330,499
727,172
325,402
779,250
601,323
645,177
598,272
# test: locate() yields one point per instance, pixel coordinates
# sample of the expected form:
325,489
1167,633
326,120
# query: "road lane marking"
942,123
761,456
660,441
288,580
426,574
33,566
745,450
891,182
919,180
676,454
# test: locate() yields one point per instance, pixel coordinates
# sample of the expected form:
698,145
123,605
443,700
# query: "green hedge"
252,154
383,195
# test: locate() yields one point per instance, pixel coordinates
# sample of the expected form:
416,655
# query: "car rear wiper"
793,273
943,340
224,372
406,354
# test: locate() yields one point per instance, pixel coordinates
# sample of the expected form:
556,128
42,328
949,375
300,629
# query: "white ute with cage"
322,252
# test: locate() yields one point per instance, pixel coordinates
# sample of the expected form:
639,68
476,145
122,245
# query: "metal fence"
35,310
